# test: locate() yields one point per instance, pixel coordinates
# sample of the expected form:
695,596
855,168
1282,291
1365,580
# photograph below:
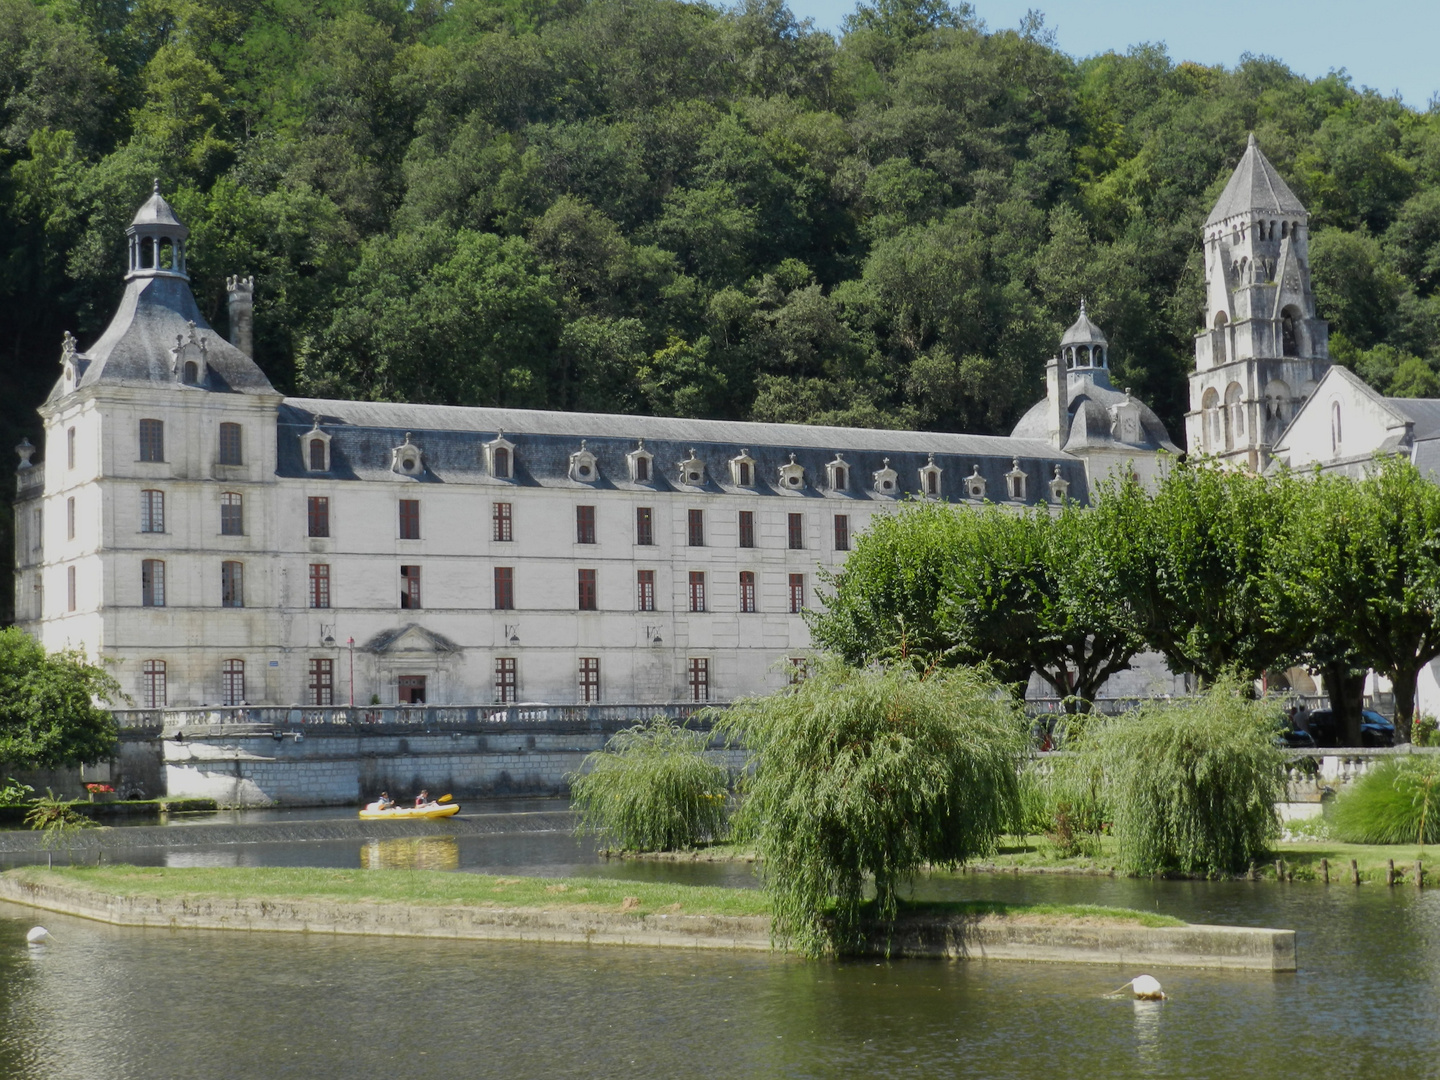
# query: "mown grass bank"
439,888
1299,860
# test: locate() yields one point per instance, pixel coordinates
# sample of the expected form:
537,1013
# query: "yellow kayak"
409,813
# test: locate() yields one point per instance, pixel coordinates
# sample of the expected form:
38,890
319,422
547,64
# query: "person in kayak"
384,802
422,799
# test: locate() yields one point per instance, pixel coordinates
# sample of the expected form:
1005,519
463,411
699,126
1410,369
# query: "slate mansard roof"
136,349
451,438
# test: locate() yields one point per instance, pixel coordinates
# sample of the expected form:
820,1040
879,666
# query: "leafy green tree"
1190,562
868,776
50,714
1032,592
1371,570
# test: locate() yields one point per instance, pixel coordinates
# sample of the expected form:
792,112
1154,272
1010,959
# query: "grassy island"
439,888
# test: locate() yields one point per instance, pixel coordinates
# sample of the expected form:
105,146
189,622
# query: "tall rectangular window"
409,519
585,524
797,593
152,684
232,584
747,528
747,591
506,680
586,599
697,528
318,515
319,455
232,682
699,679
70,448
644,526
500,518
319,585
70,518
644,590
70,588
152,511
842,532
799,669
152,440
589,679
409,586
152,583
232,514
697,590
642,469
797,531
322,682
230,447
504,588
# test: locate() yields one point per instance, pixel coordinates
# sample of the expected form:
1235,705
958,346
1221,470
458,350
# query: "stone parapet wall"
345,767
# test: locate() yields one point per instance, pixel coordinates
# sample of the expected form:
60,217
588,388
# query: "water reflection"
1147,1032
411,853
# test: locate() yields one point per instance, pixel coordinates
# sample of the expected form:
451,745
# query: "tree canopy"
674,207
49,711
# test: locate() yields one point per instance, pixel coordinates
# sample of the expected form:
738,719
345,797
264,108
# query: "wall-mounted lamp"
512,633
327,635
653,634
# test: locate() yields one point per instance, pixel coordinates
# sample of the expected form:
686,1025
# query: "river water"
119,1003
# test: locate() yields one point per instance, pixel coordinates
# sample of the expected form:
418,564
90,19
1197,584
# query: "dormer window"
407,459
583,468
885,479
975,484
642,464
930,475
1059,487
1015,481
500,457
692,470
792,475
315,448
189,357
742,470
837,474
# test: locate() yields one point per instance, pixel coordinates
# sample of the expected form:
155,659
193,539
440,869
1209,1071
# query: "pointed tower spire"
1262,348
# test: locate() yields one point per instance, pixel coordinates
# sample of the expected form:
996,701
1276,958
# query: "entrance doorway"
412,689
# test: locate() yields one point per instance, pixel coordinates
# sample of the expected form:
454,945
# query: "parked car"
1295,739
1375,730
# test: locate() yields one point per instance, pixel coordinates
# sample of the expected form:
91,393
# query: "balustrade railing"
412,716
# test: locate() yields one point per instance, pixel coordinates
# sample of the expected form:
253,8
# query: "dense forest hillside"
655,206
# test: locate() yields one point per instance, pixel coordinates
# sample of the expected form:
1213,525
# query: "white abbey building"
221,544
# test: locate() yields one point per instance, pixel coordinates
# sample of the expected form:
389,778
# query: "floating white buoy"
1147,988
38,935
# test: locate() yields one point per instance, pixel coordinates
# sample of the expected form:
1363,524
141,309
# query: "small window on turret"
192,372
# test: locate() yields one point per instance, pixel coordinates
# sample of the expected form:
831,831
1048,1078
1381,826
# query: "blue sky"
1390,45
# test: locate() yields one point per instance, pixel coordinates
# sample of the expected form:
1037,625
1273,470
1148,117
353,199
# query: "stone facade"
219,544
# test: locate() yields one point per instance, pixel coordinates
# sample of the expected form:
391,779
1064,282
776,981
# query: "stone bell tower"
1263,349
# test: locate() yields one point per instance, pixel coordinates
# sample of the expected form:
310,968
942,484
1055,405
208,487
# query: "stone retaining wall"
957,938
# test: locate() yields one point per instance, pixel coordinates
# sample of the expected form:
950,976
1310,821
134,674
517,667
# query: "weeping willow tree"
652,789
1396,802
864,776
1192,785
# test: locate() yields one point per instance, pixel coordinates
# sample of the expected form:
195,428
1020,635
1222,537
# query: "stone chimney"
1057,396
242,313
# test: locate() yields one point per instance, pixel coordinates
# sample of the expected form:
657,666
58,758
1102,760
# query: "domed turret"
1083,346
157,240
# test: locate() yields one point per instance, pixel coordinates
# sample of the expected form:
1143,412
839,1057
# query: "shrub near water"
866,776
651,789
1396,802
1193,785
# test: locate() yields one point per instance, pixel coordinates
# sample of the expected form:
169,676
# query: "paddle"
444,798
